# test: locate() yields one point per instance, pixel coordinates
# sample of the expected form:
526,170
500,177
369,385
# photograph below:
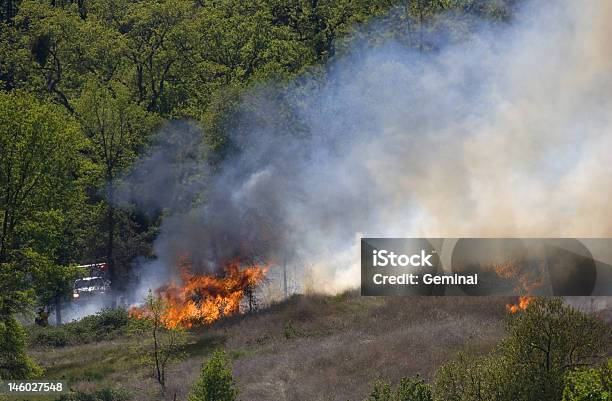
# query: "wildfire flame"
521,306
202,299
527,281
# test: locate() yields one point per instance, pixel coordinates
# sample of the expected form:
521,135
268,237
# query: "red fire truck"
94,284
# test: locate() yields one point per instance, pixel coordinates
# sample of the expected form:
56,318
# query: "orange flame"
527,281
202,299
521,306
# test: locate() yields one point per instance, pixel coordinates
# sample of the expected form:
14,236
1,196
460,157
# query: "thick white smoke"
507,133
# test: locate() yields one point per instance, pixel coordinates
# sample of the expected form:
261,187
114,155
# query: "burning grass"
527,277
522,304
200,299
527,281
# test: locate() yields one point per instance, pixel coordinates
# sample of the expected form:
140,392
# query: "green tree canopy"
592,384
39,160
545,342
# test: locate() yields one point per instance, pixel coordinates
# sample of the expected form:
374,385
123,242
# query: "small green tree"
589,384
216,382
164,344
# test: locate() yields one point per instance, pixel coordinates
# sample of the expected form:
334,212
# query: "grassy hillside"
309,347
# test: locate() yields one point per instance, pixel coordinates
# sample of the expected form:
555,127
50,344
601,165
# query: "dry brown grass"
310,348
339,345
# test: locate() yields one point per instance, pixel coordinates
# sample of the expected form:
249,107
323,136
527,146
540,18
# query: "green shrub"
106,324
49,336
413,389
216,382
409,389
290,331
589,384
470,378
381,391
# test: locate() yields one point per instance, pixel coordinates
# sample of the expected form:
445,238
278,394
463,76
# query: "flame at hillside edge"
521,306
202,299
527,281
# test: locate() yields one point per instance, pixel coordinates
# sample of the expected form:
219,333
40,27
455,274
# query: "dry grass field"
307,348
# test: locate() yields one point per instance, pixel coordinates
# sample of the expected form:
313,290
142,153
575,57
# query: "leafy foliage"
14,363
215,382
83,84
594,384
39,147
106,324
381,391
162,345
413,389
544,344
409,389
90,81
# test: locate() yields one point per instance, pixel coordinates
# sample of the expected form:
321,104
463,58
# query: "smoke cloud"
505,133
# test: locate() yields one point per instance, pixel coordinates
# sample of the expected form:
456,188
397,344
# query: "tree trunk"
285,289
421,21
82,9
58,311
110,259
158,367
8,10
4,236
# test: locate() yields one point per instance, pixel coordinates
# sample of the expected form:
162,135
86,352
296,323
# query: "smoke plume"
504,133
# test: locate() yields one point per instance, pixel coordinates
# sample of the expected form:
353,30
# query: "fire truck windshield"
89,282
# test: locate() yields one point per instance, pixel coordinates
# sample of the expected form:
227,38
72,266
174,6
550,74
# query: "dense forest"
85,85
